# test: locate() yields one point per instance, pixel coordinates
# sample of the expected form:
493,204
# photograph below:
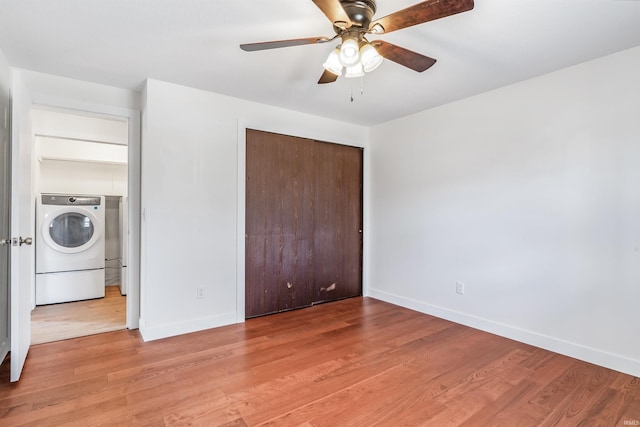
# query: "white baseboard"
577,351
172,329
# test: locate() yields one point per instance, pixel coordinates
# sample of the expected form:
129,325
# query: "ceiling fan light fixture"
349,52
369,57
333,64
353,21
354,71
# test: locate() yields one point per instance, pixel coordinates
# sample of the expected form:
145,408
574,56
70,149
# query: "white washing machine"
70,259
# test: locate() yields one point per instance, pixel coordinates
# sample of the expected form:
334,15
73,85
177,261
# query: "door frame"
133,116
321,133
5,170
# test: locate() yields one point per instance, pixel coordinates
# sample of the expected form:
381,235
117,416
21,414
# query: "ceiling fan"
353,21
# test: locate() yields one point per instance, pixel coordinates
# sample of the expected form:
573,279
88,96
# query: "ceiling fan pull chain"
351,85
362,85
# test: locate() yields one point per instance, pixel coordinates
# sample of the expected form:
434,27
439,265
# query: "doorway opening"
78,156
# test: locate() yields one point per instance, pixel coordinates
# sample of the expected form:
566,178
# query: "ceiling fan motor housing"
360,12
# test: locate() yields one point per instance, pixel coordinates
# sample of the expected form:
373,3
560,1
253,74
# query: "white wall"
191,181
529,195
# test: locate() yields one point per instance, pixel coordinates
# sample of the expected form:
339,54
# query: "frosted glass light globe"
354,71
370,58
349,52
333,64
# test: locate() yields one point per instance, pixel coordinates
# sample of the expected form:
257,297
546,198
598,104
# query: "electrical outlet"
200,293
460,288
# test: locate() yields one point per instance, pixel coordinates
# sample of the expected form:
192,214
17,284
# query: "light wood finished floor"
56,322
356,362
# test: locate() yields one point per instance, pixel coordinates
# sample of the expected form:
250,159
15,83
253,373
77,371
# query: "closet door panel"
338,226
279,223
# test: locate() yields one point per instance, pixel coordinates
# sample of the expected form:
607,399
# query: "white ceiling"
195,43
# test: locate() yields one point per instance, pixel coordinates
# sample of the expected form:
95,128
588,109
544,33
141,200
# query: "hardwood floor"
355,362
57,322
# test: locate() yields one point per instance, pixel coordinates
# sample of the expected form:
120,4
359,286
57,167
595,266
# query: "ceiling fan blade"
251,47
422,12
327,77
334,11
403,56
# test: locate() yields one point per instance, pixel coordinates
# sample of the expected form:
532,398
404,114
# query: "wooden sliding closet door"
303,222
279,223
338,222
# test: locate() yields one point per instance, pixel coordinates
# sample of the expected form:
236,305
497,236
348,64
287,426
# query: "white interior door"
22,225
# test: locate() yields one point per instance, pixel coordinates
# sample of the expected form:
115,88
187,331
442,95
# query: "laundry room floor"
57,322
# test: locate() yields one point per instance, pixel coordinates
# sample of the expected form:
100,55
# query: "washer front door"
71,230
